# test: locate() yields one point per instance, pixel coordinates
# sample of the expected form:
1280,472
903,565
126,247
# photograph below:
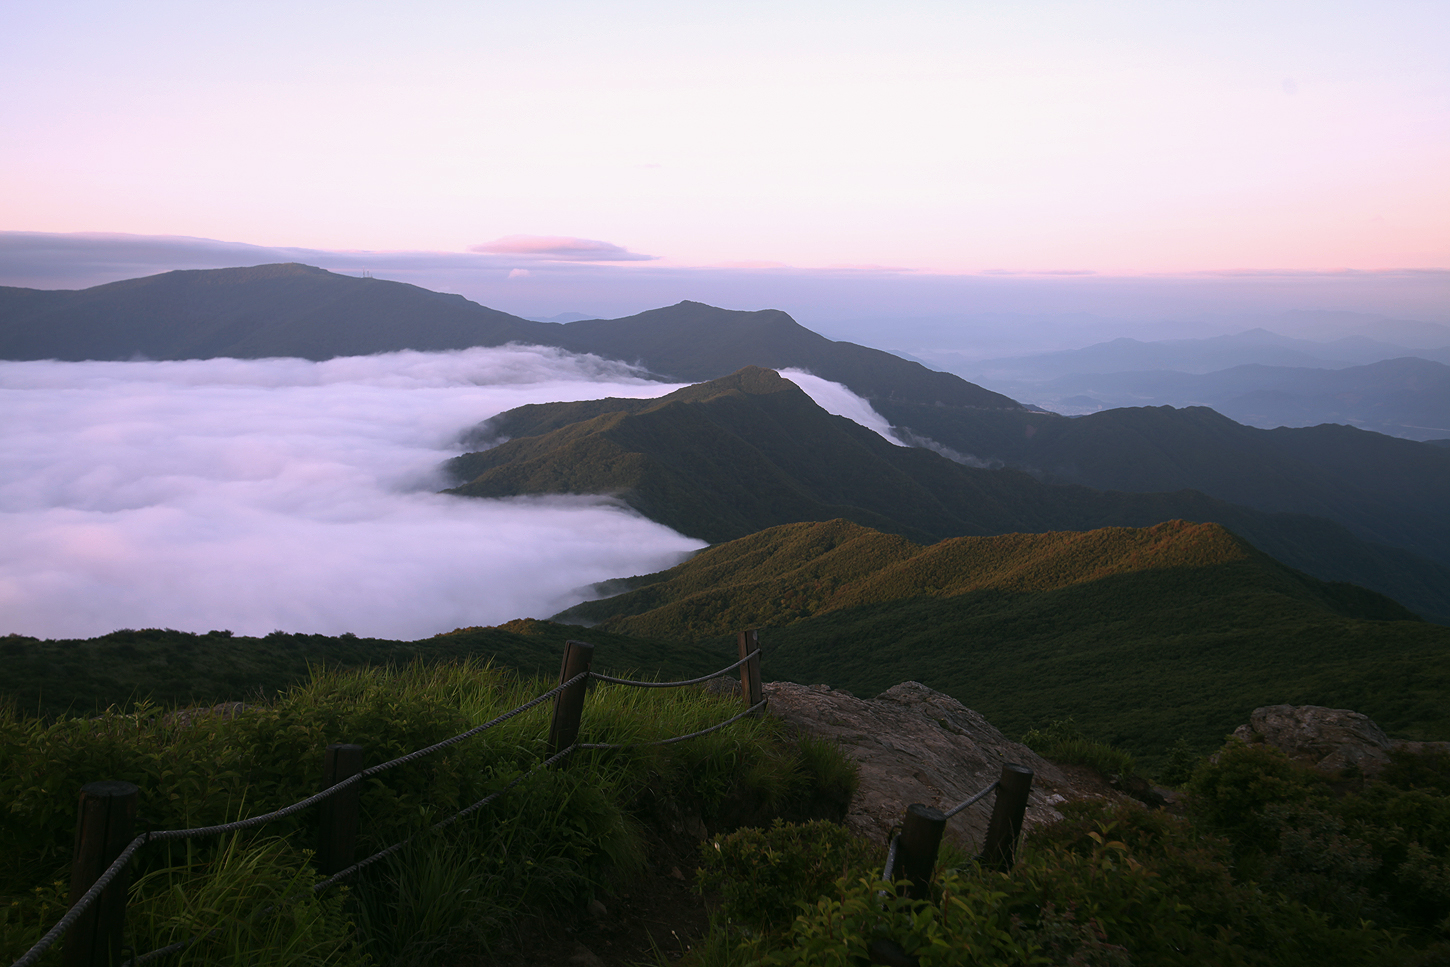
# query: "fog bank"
254,495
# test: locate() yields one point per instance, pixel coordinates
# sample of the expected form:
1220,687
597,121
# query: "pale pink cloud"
560,248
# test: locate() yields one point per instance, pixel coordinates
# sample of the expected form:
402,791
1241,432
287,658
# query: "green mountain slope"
785,574
724,459
1385,490
1141,635
297,310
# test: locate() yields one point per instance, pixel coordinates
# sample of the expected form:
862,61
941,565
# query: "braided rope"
89,897
611,746
80,906
963,805
361,864
84,903
692,681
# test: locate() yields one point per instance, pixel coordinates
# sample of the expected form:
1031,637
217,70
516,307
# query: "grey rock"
1329,739
913,744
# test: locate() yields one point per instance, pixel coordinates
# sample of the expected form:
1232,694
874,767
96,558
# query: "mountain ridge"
726,459
796,571
289,309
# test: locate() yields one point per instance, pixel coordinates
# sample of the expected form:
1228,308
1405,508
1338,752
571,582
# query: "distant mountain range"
1385,490
1141,635
723,459
1257,377
297,310
747,451
1253,347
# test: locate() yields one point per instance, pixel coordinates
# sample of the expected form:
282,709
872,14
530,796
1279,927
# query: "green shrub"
1108,886
1380,852
762,875
1063,741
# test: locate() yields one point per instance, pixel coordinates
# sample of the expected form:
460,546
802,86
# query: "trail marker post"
917,846
569,704
338,814
1000,846
750,687
104,826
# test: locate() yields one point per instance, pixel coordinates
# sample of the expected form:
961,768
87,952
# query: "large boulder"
913,744
1329,739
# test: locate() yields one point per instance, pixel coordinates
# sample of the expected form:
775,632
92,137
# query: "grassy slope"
1141,635
724,459
164,666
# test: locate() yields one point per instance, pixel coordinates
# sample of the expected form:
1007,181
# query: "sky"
980,178
846,138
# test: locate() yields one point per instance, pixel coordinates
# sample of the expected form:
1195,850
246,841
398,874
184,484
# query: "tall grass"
1063,741
557,838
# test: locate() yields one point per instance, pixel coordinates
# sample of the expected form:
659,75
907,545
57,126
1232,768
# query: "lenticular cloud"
281,493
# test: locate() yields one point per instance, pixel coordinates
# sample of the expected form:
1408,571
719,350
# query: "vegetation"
728,458
787,574
1063,741
1275,866
1144,638
560,836
167,667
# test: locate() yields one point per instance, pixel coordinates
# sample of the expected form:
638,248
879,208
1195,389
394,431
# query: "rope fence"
93,924
912,852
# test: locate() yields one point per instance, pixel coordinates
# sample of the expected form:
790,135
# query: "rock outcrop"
914,744
1329,739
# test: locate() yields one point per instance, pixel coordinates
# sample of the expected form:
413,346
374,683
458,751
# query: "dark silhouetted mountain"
693,341
266,310
1141,635
726,458
1385,490
296,310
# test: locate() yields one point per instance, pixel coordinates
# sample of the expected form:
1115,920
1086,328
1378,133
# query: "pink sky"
930,137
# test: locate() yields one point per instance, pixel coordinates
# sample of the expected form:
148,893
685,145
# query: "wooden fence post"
569,704
750,687
338,814
1000,846
916,848
104,826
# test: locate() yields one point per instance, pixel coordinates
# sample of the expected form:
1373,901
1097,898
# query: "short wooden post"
1000,846
569,704
338,814
104,826
750,688
916,848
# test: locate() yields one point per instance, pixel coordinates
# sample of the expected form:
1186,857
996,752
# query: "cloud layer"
264,494
559,248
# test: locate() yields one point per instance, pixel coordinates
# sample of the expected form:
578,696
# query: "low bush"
764,875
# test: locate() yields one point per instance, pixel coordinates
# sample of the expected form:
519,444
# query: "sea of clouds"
255,495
